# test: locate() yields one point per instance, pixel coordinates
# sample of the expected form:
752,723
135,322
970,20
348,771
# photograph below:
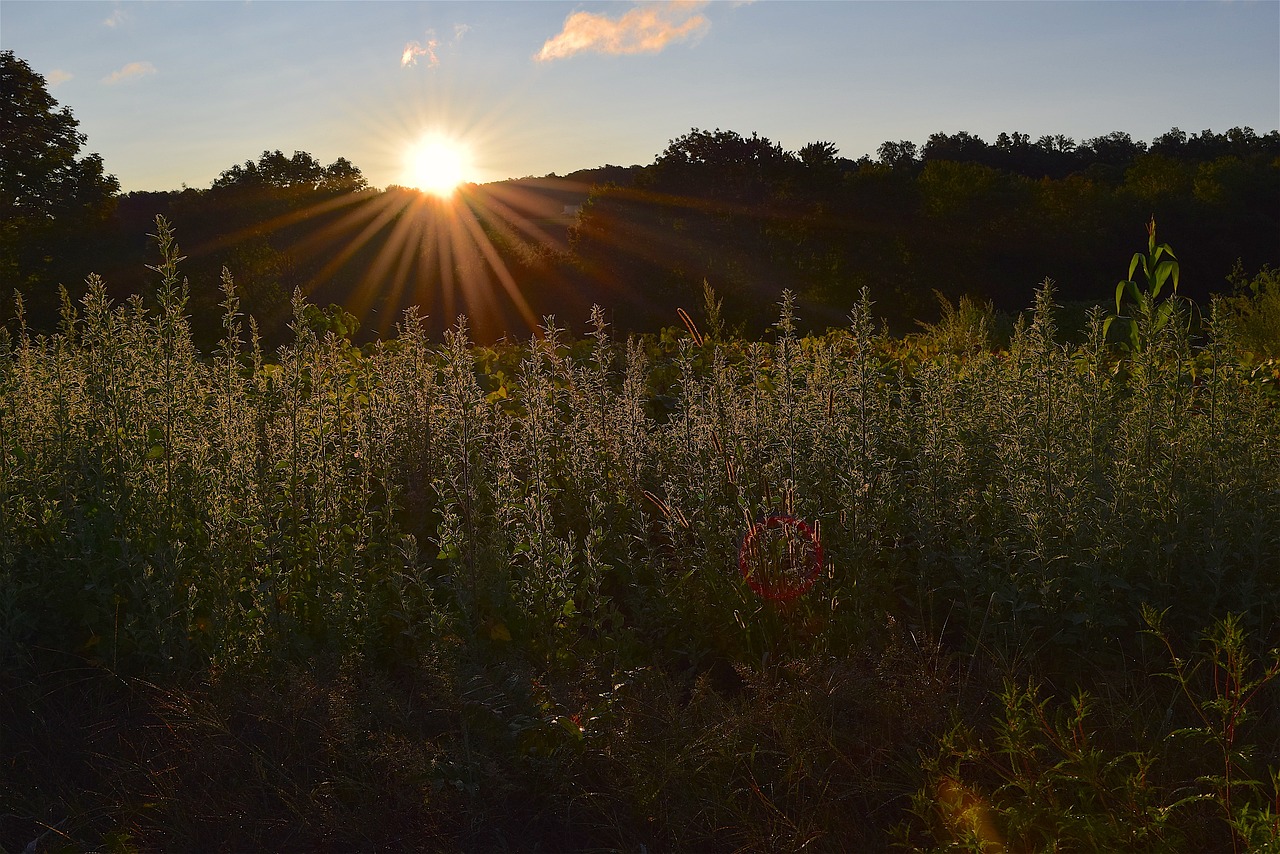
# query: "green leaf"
1134,293
155,452
1163,272
569,608
1133,264
1120,294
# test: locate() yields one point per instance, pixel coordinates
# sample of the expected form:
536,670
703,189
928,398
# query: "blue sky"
172,93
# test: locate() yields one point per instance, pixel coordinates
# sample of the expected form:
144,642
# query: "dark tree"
963,147
819,154
1056,143
898,155
41,176
1170,144
722,165
343,176
52,201
301,172
1115,149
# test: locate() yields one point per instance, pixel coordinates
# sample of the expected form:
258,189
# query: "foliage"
41,175
1222,722
53,202
299,172
1157,270
958,215
1042,779
439,595
1250,315
1046,778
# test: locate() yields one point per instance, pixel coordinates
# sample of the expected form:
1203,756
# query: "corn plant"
1159,267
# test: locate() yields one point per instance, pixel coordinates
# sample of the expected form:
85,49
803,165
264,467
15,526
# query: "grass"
434,595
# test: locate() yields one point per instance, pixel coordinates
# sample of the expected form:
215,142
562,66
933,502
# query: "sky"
173,93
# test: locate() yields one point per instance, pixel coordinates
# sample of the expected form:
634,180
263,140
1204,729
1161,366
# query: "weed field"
427,595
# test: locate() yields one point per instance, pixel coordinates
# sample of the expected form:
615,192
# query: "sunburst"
438,164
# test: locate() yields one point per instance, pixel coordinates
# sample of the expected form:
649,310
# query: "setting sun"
437,165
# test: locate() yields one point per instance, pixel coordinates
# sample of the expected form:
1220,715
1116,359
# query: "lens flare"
780,557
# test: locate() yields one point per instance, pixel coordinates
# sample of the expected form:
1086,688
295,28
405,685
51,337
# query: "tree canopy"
54,203
300,172
958,215
41,173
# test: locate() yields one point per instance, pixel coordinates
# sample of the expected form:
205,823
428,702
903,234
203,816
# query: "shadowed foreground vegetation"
429,595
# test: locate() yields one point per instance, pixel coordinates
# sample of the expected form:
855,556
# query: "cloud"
117,17
57,77
413,50
644,29
132,71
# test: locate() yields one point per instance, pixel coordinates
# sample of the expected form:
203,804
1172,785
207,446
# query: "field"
428,595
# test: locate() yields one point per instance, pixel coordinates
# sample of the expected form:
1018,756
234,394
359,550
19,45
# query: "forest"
928,502
954,216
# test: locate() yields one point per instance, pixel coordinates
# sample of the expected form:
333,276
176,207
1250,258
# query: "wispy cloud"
414,49
117,18
643,29
132,71
57,77
429,46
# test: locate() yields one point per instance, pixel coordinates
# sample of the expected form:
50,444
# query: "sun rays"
448,254
438,240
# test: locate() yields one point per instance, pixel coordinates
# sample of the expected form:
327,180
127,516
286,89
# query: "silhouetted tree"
343,176
1114,149
898,155
1056,144
961,147
818,154
1173,143
721,165
301,172
53,202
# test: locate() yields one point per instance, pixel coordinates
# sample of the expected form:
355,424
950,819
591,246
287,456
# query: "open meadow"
959,590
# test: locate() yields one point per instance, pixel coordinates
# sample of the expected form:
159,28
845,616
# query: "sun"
437,164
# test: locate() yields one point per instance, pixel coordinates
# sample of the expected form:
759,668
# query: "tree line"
957,216
954,216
